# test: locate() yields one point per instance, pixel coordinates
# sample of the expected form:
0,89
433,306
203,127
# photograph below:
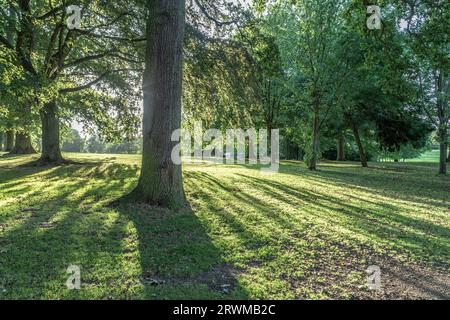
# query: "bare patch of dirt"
340,272
221,278
411,281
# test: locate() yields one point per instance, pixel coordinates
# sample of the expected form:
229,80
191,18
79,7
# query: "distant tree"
95,145
427,26
73,142
308,33
9,143
125,147
61,62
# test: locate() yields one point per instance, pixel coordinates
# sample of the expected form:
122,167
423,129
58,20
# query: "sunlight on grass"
297,234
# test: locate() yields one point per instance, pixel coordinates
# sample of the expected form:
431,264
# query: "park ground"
293,235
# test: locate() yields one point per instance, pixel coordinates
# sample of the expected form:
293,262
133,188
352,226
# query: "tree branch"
94,82
6,43
86,86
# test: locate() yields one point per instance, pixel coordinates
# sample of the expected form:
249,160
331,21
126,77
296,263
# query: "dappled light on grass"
296,234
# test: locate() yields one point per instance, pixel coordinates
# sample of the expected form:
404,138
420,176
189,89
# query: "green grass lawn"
293,235
431,156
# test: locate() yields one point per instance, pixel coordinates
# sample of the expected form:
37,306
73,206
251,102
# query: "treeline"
332,85
72,141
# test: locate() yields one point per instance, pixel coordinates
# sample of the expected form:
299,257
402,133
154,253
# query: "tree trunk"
51,152
160,182
443,150
23,144
314,144
9,143
341,149
362,152
1,141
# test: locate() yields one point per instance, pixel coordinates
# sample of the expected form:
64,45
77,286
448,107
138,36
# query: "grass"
431,156
293,235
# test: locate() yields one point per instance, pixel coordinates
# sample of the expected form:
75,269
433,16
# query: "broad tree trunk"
160,181
23,144
9,143
341,149
443,143
51,152
314,144
362,152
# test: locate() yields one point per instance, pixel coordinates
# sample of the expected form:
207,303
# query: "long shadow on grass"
124,253
52,230
381,220
251,219
178,259
415,184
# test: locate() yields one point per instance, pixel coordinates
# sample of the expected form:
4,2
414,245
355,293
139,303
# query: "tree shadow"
178,258
424,186
380,219
380,224
127,252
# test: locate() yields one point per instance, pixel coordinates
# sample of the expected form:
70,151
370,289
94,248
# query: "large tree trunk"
51,152
9,143
443,150
23,144
160,181
341,149
362,152
1,141
314,144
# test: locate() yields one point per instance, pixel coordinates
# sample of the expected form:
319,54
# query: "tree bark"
23,144
160,181
314,144
1,141
9,143
341,149
443,143
51,152
362,152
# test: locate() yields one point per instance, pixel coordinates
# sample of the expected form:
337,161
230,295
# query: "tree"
427,25
22,144
160,181
58,58
95,145
9,143
16,102
309,53
73,142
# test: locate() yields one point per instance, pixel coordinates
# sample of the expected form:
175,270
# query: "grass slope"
293,235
